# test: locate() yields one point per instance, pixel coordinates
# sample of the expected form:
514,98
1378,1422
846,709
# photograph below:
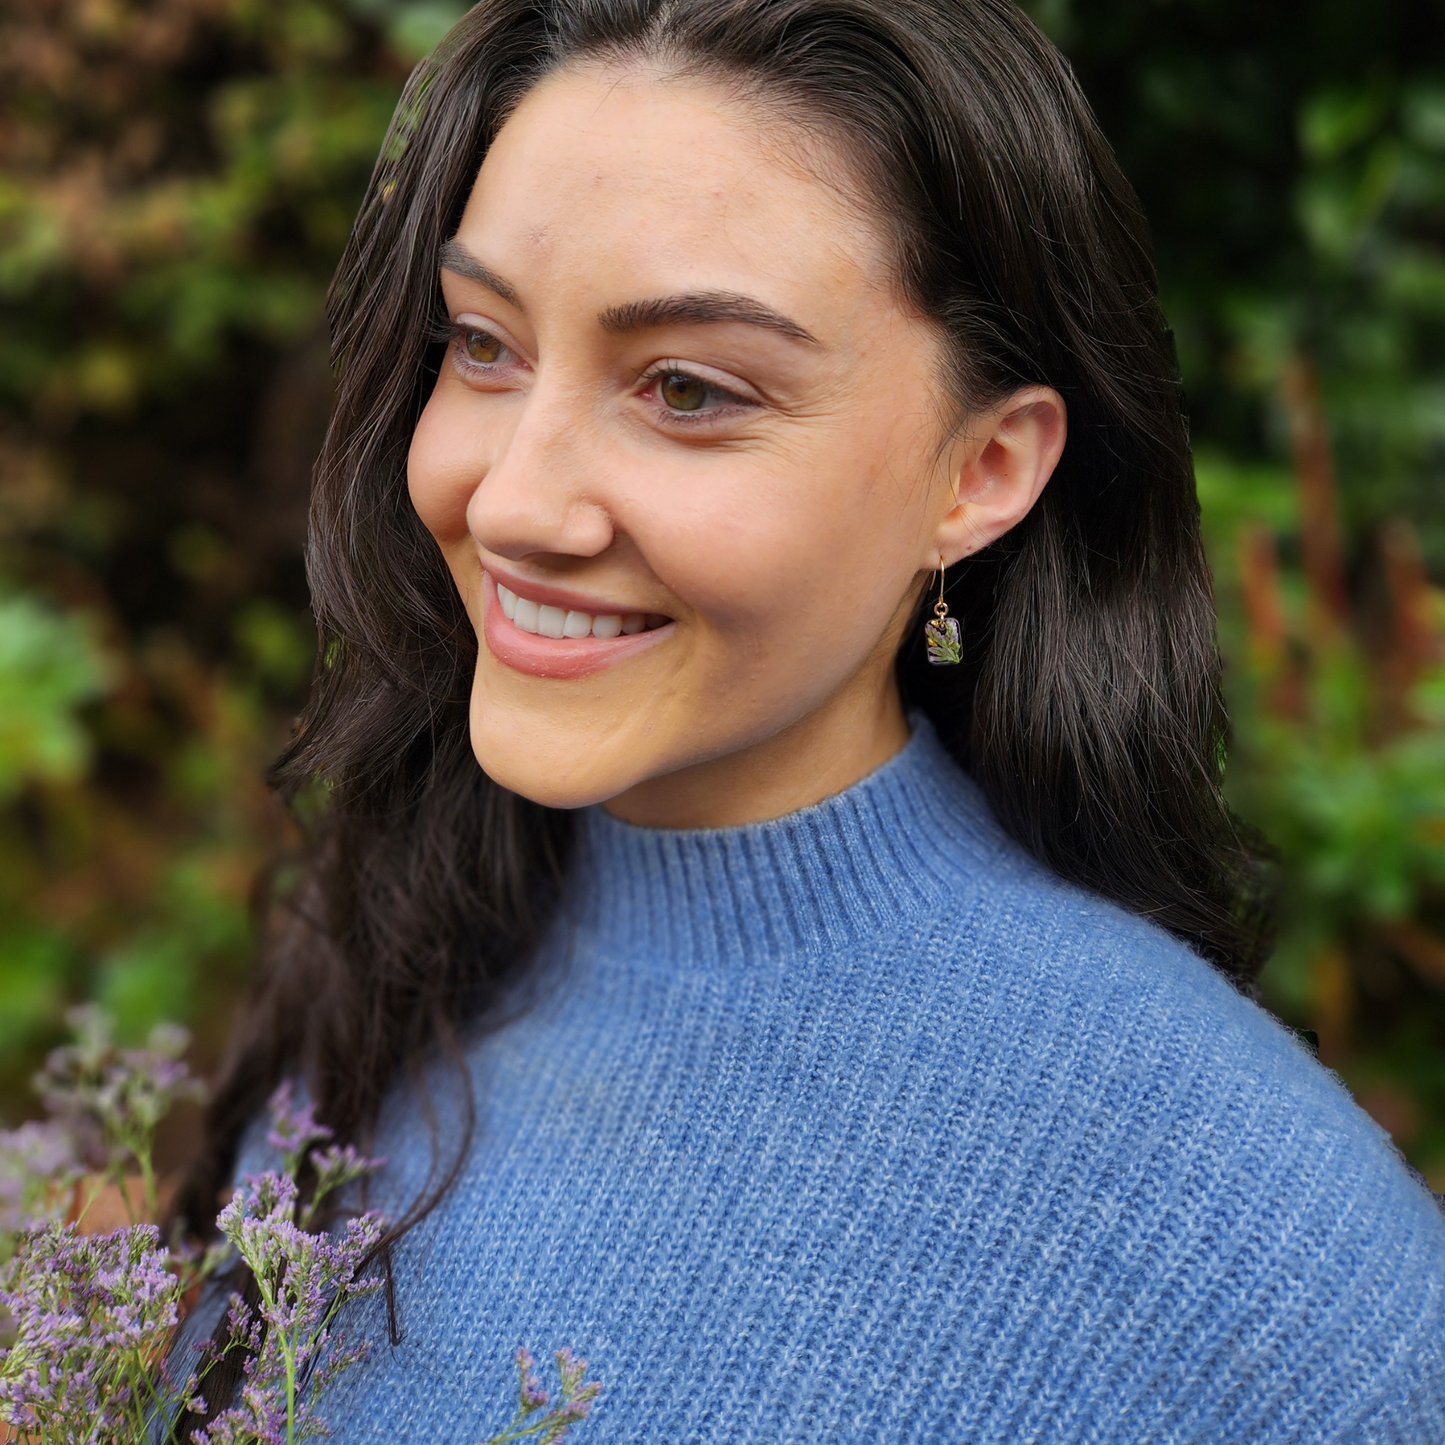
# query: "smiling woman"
723,421
837,1046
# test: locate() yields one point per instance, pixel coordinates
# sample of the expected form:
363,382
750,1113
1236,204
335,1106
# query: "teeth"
546,621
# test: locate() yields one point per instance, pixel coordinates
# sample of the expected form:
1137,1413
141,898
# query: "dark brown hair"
1088,707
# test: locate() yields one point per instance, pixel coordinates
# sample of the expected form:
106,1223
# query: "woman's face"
688,455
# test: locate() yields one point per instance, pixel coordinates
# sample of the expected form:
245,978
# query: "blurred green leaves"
177,178
135,826
50,668
176,181
1324,532
413,29
35,966
50,665
155,222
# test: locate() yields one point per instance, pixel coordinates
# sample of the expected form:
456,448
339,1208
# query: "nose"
541,495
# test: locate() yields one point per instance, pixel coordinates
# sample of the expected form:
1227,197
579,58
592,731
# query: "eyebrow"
693,308
701,308
457,259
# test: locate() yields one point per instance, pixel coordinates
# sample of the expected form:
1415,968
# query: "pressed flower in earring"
942,633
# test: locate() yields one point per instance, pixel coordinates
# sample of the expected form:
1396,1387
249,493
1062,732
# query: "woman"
833,1023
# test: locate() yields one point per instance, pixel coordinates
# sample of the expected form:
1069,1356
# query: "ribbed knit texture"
859,1126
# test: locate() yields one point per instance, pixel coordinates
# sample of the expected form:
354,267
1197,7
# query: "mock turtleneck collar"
854,864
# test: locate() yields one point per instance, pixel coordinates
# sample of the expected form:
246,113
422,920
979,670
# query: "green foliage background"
176,181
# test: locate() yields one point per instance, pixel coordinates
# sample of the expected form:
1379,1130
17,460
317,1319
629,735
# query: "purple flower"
294,1128
337,1166
530,1393
574,1406
38,1166
110,1099
121,1092
304,1279
85,1322
91,1316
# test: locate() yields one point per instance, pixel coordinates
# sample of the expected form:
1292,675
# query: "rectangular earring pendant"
944,639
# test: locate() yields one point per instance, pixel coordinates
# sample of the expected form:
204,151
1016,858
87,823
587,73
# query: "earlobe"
1000,470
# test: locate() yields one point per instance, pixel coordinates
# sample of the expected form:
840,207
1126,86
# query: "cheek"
797,556
442,472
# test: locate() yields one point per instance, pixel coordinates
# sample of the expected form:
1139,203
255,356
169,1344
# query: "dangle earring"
942,633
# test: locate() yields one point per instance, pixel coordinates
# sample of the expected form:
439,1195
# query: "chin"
546,763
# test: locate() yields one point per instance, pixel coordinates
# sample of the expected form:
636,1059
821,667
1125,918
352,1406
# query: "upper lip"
548,594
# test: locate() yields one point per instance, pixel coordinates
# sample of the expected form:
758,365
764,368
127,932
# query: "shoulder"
1136,1021
1209,1165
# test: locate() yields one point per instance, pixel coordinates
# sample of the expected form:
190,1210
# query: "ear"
997,470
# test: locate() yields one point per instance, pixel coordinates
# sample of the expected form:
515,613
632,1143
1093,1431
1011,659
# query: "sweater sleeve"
1346,1289
1242,1250
1408,1405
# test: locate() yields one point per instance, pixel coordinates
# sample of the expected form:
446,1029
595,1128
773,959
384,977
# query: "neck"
853,733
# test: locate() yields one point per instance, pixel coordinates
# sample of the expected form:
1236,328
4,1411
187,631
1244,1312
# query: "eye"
481,359
480,347
683,392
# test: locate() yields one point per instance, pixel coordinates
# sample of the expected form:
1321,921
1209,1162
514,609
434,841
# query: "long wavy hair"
1088,705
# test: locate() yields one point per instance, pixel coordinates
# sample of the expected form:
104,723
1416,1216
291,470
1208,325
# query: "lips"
540,636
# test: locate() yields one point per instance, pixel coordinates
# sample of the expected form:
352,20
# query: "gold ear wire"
943,634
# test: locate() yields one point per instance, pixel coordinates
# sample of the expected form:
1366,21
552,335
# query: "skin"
784,527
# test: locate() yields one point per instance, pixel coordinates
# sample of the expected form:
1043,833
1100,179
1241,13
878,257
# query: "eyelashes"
679,396
440,328
684,396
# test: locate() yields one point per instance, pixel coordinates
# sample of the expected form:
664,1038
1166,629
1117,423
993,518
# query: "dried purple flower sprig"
86,1323
304,1280
87,1319
38,1172
294,1131
91,1318
110,1099
573,1407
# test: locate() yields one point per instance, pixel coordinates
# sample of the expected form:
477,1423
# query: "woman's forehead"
673,183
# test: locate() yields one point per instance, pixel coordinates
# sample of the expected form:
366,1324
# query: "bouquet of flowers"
88,1321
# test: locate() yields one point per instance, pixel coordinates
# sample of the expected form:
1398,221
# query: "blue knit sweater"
860,1126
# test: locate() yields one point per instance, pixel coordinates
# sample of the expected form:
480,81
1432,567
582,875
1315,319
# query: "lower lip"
562,657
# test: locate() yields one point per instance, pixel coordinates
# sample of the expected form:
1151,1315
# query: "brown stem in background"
1418,946
1412,644
1258,561
1334,1002
1314,467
